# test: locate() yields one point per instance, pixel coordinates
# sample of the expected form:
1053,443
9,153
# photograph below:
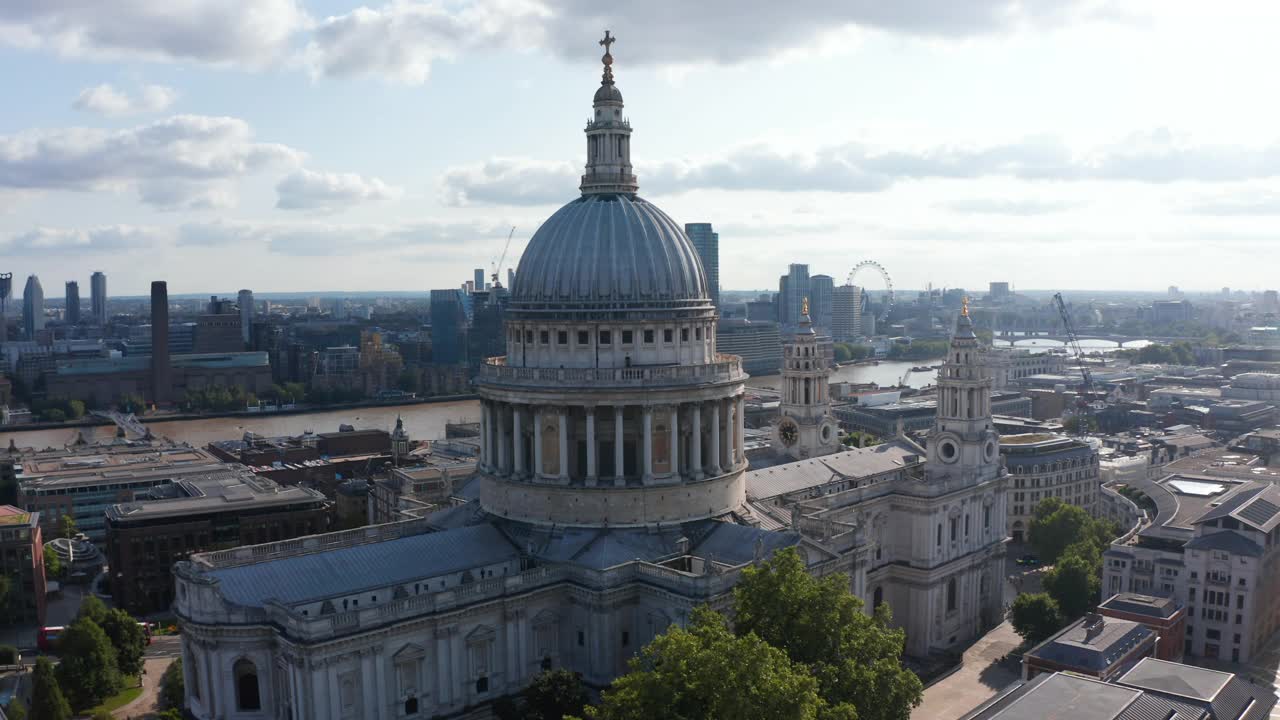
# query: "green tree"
93,609
52,563
820,625
173,686
1055,525
170,714
844,353
708,672
553,695
53,415
1074,583
75,409
88,672
16,710
67,526
102,714
6,586
128,640
1035,617
47,700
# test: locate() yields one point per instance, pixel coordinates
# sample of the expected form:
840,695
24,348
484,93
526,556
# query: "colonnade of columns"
612,444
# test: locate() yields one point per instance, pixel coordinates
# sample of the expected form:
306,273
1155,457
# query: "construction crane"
1084,408
497,267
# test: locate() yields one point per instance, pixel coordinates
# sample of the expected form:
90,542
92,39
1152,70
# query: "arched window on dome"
246,675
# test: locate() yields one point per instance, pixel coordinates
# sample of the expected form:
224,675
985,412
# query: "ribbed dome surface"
609,249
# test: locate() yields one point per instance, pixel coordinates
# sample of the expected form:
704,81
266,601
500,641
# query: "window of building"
628,337
246,674
939,534
697,333
951,594
606,337
544,337
562,337
626,638
528,337
684,334
966,526
648,337
1236,639
1240,601
986,517
582,639
953,529
1239,619
584,338
666,335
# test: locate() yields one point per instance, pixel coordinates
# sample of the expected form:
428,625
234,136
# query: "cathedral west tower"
806,428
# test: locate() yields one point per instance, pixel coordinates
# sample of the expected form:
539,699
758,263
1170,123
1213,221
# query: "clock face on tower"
788,432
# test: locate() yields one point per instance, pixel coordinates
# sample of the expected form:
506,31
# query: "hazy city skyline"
1073,145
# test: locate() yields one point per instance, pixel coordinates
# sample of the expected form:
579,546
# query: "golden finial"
964,306
804,306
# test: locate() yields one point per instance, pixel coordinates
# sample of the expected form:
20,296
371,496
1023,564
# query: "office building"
998,291
98,298
448,328
1151,690
244,301
707,243
1211,546
478,281
166,524
81,481
32,308
1164,616
758,343
72,315
793,288
1096,645
161,381
821,292
6,298
22,562
1043,465
846,313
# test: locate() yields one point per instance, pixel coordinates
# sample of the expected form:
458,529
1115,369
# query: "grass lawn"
120,699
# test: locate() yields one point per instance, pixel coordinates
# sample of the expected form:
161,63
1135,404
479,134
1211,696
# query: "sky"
309,145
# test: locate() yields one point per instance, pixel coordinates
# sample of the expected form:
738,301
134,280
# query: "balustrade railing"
726,368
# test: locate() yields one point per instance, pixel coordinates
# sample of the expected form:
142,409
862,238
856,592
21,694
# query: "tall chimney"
161,385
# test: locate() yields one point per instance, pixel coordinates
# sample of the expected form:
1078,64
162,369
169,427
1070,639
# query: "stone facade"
806,427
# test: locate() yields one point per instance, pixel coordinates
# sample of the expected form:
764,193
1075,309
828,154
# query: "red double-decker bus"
48,636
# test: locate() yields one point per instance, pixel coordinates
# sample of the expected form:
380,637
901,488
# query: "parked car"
1029,561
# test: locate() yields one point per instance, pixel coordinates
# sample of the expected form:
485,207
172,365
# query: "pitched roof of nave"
857,463
349,570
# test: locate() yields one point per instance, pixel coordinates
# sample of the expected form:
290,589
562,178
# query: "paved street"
978,679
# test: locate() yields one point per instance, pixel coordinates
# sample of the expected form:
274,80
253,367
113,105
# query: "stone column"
730,437
592,469
619,476
674,445
335,691
537,443
368,683
503,467
648,445
695,449
713,468
486,446
517,437
564,444
738,429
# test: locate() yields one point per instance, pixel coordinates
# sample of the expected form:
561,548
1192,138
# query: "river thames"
426,421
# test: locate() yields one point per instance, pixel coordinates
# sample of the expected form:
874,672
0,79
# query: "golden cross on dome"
607,41
964,307
804,306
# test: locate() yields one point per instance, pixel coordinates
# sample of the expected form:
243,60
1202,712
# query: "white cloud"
1153,157
183,161
443,240
401,40
106,100
55,241
212,31
330,192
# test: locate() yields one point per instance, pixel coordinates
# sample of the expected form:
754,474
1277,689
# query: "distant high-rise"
707,243
245,300
821,289
6,294
793,288
998,291
73,303
160,384
448,327
32,308
98,298
511,278
846,312
479,279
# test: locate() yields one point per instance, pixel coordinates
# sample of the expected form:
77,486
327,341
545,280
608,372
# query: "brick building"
1165,616
22,560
